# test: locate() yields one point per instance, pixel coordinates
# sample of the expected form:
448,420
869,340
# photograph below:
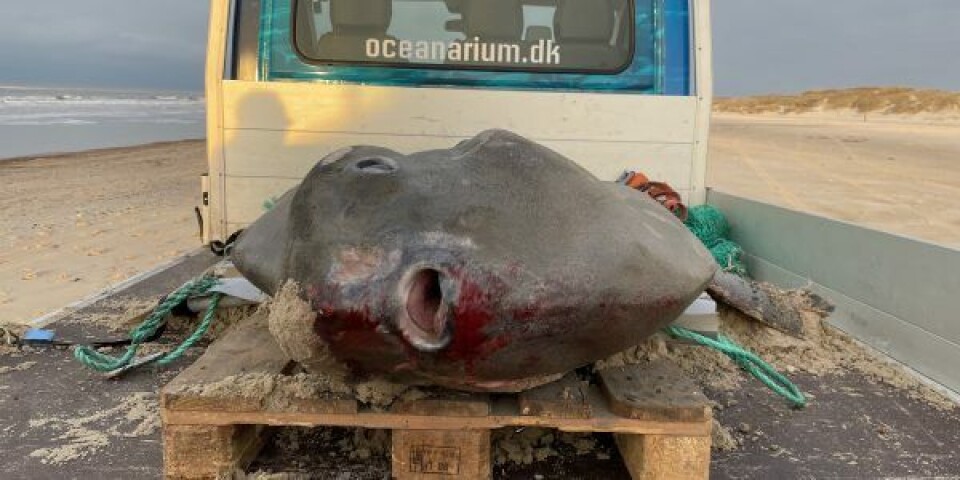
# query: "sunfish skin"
485,267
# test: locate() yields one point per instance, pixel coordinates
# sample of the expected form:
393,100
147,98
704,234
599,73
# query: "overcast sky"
109,43
761,46
766,46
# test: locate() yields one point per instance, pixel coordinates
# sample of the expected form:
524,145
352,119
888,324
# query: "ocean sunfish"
494,265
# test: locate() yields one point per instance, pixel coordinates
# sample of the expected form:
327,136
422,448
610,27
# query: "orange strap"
659,191
635,180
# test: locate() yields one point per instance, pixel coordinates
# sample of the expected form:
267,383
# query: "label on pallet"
433,459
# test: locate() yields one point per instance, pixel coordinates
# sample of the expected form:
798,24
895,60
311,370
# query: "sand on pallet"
291,321
525,446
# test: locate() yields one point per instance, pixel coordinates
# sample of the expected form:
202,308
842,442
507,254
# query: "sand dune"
882,100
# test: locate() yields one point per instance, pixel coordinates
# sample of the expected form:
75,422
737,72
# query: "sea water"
36,121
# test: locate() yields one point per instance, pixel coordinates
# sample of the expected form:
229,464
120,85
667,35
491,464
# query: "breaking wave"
31,107
42,120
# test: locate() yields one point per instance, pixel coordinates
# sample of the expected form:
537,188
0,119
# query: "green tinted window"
530,35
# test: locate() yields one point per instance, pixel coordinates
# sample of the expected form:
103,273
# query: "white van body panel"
275,132
265,136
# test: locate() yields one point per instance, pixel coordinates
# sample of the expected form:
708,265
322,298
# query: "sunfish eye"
375,165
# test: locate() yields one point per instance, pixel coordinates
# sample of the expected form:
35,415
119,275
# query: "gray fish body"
481,267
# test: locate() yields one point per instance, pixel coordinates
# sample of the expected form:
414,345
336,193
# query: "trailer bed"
59,420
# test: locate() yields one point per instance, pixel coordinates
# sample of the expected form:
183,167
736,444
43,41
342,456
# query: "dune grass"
888,100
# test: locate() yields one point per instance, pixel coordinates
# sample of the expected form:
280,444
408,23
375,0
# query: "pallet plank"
504,411
445,403
453,454
599,423
202,452
565,398
247,348
660,457
657,390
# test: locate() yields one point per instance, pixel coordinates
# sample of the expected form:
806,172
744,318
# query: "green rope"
102,362
712,228
748,361
708,223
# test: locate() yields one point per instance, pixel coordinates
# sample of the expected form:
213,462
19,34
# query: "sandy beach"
899,174
75,224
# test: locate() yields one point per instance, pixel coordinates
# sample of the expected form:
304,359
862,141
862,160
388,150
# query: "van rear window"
563,36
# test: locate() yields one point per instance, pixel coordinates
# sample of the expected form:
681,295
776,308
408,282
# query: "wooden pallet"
660,419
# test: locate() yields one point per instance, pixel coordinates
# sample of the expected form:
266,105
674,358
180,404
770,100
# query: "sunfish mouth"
425,319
